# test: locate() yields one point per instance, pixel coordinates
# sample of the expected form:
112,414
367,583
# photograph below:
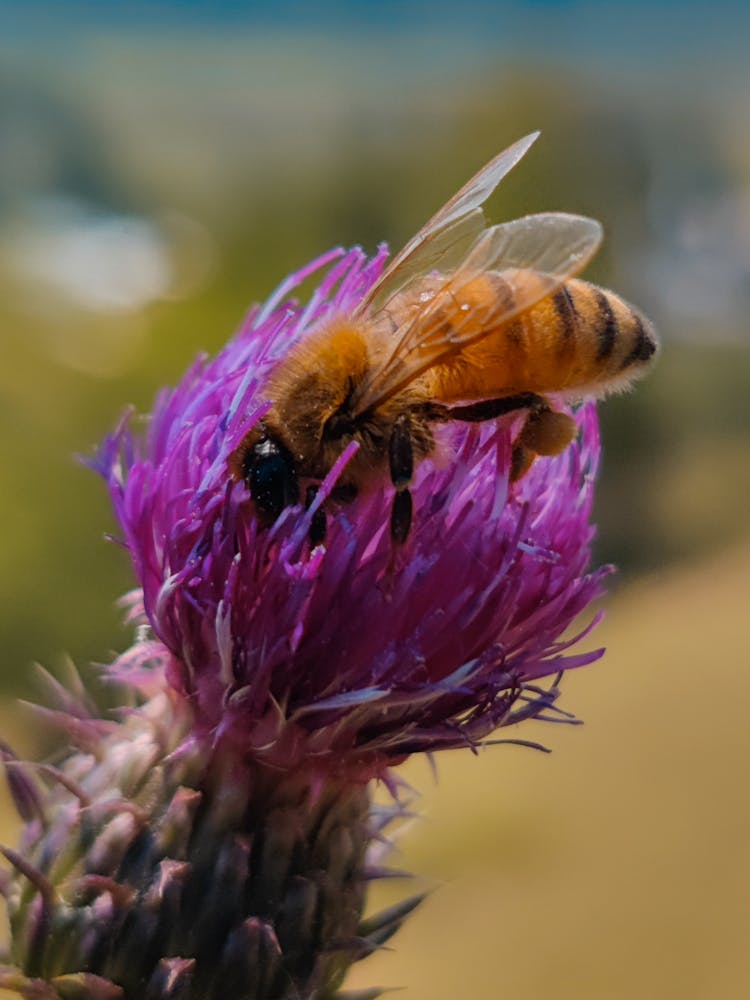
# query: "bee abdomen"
608,327
614,341
567,313
645,343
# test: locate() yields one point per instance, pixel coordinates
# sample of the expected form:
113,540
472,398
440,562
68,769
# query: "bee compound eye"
272,478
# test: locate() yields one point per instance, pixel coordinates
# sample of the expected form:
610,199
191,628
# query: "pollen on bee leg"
548,432
521,461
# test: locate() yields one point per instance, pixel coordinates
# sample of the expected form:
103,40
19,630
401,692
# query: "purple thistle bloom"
349,656
218,840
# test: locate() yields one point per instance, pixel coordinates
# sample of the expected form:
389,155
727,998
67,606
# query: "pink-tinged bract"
348,656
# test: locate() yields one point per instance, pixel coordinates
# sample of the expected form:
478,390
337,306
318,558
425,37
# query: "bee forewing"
476,191
555,244
442,242
528,259
443,251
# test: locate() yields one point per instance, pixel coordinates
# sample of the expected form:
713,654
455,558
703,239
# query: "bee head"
268,470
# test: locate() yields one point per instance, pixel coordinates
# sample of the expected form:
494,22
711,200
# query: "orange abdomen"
581,340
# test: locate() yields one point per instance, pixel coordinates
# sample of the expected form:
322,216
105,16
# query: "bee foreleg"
401,512
489,409
401,463
318,523
401,454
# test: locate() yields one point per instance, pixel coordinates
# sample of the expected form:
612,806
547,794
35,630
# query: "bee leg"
547,432
489,409
401,514
521,460
401,454
401,462
318,524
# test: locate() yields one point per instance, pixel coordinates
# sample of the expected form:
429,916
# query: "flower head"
218,840
346,654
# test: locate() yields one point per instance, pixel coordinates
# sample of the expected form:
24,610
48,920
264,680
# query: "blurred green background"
164,165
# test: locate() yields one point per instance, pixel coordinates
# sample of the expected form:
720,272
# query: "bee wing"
444,240
533,255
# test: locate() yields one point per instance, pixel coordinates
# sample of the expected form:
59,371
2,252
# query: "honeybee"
469,322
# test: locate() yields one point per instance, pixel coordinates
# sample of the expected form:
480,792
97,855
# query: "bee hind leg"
490,409
548,432
521,460
524,452
545,432
401,463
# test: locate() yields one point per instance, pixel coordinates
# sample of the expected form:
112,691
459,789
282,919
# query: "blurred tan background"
163,166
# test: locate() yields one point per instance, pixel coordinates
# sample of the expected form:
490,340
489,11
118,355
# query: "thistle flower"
217,840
